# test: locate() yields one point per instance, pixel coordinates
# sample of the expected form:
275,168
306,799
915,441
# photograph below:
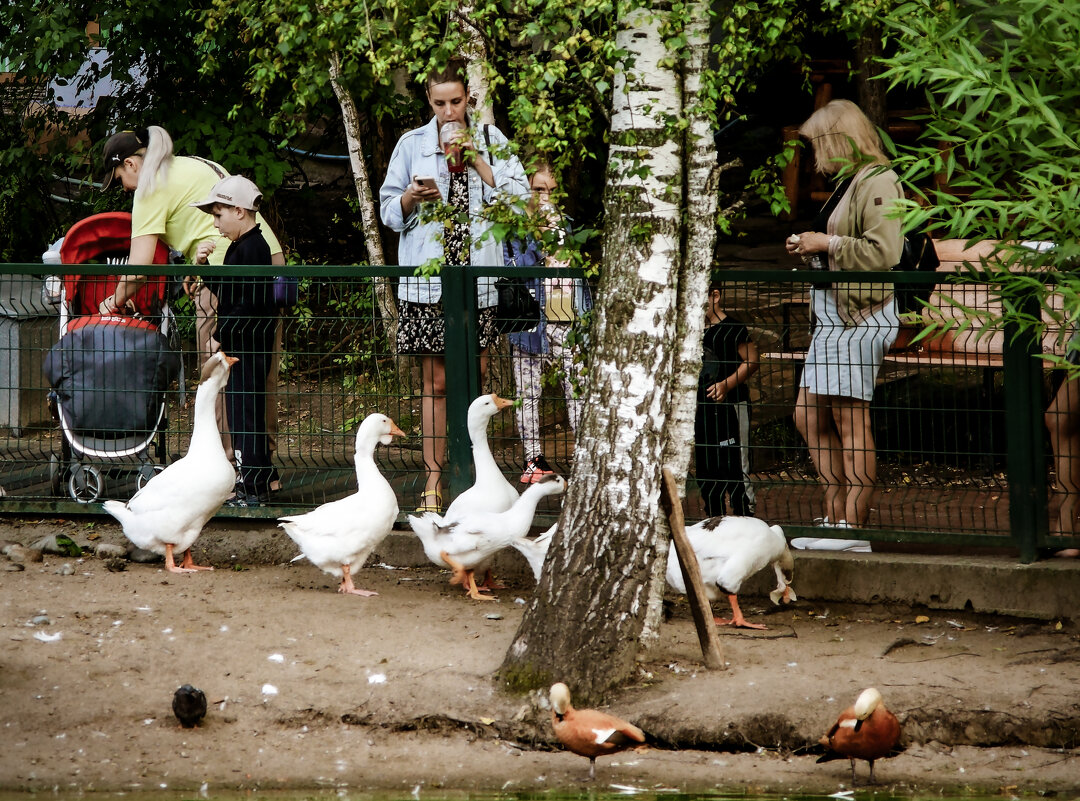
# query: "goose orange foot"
737,620
187,564
348,588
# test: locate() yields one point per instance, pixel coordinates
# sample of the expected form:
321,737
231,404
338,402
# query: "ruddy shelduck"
866,730
589,732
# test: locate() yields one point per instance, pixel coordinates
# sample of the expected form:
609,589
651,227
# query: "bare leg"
170,562
737,619
1063,422
852,418
433,419
813,420
347,584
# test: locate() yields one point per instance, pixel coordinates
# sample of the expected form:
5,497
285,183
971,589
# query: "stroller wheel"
85,483
147,472
56,474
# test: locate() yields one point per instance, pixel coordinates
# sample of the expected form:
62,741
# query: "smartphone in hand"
425,181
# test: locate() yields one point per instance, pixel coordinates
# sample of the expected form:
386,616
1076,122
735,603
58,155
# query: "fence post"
462,372
1025,459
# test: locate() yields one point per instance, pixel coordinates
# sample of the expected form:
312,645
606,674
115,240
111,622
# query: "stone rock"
142,556
12,567
66,569
40,620
106,550
23,555
116,564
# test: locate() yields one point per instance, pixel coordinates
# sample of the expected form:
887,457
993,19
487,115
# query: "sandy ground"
311,689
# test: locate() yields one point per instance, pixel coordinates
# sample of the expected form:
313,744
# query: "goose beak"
501,403
783,593
395,431
230,360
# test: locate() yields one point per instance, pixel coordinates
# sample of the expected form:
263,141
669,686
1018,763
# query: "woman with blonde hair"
859,229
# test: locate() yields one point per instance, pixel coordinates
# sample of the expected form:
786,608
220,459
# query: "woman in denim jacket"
468,177
562,301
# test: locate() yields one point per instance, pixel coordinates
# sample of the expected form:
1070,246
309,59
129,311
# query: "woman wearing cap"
165,186
468,177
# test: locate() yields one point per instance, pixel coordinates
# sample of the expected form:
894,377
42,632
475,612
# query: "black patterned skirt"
422,329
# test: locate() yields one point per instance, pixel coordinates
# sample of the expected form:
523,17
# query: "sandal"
430,501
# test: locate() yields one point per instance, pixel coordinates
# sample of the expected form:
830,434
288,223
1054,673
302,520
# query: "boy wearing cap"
246,322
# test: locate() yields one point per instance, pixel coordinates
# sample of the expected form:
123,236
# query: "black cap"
119,147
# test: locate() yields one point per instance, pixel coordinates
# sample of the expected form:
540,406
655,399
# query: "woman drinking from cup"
442,161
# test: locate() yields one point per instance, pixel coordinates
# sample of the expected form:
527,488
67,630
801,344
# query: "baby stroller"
108,373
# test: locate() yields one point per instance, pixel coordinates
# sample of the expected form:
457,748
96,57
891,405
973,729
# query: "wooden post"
695,588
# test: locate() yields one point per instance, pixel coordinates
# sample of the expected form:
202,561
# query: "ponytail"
156,160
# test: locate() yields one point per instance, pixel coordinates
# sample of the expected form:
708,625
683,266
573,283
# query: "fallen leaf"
487,721
922,619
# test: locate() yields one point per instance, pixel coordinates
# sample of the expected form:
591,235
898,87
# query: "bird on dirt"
490,492
189,706
729,550
339,536
866,730
167,515
467,544
589,732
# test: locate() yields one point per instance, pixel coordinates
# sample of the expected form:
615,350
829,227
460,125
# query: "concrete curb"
1045,590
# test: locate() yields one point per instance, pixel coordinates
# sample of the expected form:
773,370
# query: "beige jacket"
867,237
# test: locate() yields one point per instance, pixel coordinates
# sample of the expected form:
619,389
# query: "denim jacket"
418,153
529,254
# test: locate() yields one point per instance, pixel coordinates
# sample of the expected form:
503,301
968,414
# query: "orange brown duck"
589,732
866,730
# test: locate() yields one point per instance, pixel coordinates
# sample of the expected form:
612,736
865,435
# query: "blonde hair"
842,137
157,156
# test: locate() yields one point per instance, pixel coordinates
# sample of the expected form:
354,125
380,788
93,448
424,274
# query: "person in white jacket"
445,160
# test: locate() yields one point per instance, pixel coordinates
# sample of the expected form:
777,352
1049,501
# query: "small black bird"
189,706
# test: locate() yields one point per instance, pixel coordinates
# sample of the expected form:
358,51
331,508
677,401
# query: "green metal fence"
961,447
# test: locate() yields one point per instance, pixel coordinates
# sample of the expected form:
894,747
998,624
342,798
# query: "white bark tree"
587,617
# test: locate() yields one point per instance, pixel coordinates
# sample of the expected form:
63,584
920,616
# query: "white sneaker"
828,544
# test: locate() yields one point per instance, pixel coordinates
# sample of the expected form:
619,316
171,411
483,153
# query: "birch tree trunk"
700,203
586,618
476,54
364,194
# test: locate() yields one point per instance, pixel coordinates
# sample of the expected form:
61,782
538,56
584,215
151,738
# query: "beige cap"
236,190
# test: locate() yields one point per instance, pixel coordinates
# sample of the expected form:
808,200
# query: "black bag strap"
821,222
487,140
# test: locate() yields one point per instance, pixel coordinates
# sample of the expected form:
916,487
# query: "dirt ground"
310,689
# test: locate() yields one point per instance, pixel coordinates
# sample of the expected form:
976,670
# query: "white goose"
339,536
167,515
729,550
470,542
535,550
490,492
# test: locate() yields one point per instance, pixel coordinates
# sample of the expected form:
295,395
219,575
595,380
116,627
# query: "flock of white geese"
168,513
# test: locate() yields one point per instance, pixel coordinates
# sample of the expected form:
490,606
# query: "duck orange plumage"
866,730
589,732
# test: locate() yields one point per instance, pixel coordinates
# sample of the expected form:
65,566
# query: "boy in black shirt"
246,319
722,424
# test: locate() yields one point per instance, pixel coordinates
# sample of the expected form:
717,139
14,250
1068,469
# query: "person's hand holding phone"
422,189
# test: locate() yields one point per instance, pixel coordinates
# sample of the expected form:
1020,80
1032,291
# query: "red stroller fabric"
95,239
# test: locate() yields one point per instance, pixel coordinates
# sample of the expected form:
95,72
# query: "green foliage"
1002,86
153,42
